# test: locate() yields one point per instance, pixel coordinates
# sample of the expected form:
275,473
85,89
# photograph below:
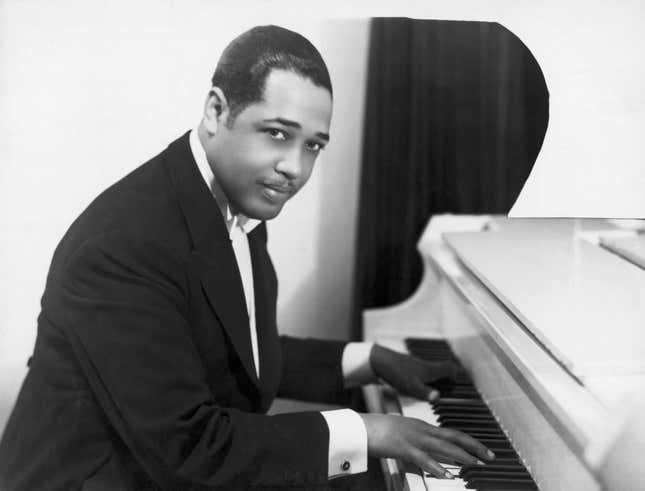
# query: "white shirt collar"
232,221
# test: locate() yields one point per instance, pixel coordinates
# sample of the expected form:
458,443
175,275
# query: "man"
157,352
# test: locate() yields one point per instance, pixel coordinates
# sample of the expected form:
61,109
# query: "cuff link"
345,465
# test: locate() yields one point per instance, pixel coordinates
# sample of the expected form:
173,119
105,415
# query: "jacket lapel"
212,249
223,288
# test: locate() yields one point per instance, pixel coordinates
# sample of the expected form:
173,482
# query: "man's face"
268,153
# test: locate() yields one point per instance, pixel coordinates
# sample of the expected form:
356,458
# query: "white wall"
90,90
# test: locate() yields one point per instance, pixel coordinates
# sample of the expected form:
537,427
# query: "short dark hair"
247,61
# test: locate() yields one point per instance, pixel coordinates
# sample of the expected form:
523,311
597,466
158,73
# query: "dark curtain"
455,116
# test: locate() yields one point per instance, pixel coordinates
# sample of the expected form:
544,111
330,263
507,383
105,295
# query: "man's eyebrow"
294,124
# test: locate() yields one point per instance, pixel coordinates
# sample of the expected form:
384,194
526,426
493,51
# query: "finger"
422,391
444,459
448,449
430,465
447,460
436,371
466,442
411,385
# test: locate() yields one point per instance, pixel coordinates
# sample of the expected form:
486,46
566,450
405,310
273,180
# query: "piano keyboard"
461,407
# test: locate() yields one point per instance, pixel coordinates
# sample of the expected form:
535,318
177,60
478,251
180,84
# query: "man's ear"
216,110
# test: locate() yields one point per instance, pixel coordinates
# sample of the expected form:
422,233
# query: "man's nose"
290,164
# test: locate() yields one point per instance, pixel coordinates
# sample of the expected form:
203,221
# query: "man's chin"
264,211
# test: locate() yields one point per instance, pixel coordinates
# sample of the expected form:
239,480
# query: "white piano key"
415,481
434,484
416,408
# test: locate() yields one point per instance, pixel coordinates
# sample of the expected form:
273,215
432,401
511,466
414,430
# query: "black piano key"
450,415
474,412
448,420
470,469
465,415
497,439
462,382
509,464
475,424
465,402
462,379
501,475
507,461
485,420
468,391
501,449
472,406
480,435
517,473
483,483
477,432
496,443
464,388
452,399
460,394
471,416
470,423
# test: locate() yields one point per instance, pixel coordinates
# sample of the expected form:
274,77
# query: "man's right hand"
424,445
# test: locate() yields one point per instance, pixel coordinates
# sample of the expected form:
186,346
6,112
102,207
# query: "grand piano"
547,319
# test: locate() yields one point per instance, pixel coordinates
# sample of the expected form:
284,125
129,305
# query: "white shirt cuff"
355,364
347,443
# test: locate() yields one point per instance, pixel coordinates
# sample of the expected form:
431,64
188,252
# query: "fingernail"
479,462
448,475
433,396
490,454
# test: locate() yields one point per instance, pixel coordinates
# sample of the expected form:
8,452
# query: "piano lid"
583,303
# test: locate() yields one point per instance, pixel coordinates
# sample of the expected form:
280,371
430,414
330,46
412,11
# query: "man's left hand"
410,375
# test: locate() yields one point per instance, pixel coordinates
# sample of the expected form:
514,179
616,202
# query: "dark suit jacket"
142,373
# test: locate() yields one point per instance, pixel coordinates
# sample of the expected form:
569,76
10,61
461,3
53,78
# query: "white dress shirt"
347,433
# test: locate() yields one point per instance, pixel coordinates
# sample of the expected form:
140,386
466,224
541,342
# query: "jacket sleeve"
312,371
123,305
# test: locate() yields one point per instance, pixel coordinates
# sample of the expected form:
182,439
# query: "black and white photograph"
346,246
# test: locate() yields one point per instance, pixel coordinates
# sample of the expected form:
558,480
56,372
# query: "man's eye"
315,146
277,134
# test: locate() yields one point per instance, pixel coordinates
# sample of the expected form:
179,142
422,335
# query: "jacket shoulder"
142,205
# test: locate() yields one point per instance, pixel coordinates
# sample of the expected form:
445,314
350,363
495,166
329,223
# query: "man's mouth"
277,190
278,187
